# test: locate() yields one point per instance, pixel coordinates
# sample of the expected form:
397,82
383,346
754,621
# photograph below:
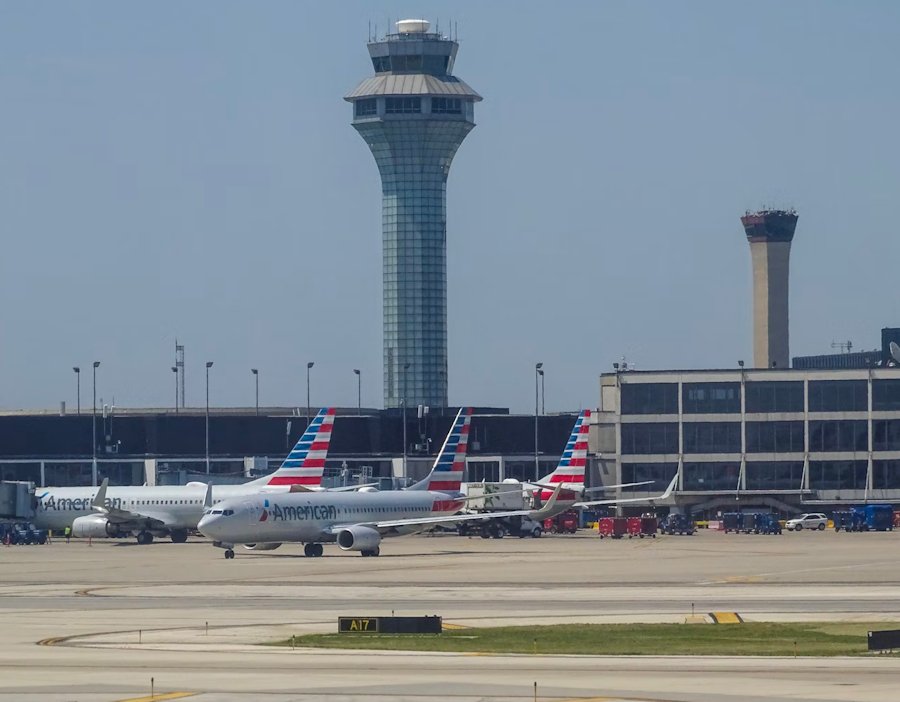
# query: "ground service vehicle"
873,517
812,520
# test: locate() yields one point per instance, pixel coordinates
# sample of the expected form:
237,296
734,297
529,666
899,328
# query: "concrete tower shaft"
414,114
770,234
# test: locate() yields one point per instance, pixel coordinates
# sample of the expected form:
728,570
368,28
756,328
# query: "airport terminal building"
165,447
787,439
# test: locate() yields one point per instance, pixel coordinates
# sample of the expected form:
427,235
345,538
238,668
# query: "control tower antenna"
770,233
413,114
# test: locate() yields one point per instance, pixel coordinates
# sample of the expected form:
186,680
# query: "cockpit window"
227,512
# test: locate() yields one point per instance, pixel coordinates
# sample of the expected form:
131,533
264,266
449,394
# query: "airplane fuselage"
319,517
178,506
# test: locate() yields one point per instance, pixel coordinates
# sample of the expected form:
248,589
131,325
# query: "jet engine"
261,547
95,525
358,538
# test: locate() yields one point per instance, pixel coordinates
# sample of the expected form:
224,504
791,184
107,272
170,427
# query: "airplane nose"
207,525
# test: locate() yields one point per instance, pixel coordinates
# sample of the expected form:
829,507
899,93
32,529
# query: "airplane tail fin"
305,464
571,467
450,466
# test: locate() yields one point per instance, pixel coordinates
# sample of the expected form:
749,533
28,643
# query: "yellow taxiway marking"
454,627
160,696
726,617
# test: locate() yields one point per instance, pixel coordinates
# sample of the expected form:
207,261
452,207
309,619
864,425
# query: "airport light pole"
255,372
543,394
358,391
175,371
94,427
77,388
208,366
537,373
308,367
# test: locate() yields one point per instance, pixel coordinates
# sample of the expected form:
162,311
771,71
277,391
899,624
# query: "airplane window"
227,512
216,511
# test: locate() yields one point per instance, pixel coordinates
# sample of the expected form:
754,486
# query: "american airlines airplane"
359,521
174,510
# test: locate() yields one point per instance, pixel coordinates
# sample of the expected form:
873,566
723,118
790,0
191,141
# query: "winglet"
669,489
549,509
207,500
99,501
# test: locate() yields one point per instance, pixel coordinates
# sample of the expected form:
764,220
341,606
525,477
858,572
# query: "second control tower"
414,114
770,233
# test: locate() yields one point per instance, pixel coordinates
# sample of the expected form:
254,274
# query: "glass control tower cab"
414,113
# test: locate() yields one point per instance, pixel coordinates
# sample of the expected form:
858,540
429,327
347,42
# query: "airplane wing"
121,516
548,510
664,496
577,486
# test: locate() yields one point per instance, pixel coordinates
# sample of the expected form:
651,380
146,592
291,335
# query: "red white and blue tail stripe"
450,466
570,470
305,464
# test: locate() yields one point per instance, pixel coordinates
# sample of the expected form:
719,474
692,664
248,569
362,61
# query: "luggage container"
678,524
843,520
649,527
613,527
766,523
565,523
633,525
733,521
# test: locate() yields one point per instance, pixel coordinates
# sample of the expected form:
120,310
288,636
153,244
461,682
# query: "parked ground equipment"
733,522
498,497
874,517
649,527
766,523
565,523
613,527
844,520
633,526
677,524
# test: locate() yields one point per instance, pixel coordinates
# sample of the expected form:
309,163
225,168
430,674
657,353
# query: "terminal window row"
761,397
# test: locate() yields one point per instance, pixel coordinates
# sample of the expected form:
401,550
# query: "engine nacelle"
261,547
95,526
358,538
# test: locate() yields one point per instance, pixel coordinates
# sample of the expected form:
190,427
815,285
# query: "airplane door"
252,513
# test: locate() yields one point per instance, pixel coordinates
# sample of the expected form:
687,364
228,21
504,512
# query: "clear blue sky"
188,169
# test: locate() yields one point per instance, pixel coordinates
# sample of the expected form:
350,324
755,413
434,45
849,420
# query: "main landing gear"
179,536
145,537
370,552
229,554
313,550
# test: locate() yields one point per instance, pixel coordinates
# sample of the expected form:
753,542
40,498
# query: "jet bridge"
17,500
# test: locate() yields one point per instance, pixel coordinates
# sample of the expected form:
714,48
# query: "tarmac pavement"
184,616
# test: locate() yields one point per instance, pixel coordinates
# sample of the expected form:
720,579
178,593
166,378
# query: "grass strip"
749,639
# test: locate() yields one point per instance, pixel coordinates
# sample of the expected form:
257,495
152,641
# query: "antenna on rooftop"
844,346
895,351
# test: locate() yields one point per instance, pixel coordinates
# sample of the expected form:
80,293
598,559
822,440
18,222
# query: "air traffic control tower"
770,233
414,114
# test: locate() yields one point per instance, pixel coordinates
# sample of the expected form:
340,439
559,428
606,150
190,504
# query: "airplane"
359,521
149,511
